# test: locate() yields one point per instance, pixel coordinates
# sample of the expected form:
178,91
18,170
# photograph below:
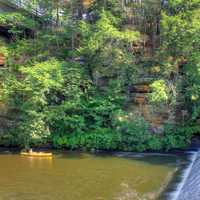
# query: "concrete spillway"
189,188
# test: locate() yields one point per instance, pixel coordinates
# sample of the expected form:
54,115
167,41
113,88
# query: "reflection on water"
80,176
35,162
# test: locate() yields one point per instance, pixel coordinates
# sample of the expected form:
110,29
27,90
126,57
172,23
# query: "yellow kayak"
36,154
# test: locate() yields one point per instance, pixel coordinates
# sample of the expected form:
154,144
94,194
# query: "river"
82,176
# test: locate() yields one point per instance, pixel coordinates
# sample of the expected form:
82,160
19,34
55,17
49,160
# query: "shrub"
99,139
135,136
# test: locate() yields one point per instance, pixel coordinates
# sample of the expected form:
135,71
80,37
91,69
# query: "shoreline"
173,152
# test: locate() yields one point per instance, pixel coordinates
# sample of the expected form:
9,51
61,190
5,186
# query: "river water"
81,176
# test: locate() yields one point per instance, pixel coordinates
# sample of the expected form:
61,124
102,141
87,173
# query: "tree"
180,31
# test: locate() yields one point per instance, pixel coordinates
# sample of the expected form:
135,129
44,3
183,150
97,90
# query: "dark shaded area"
4,32
195,143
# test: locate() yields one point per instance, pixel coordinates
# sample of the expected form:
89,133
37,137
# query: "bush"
135,136
159,92
178,137
99,139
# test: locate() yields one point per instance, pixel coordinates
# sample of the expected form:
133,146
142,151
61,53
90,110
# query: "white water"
186,173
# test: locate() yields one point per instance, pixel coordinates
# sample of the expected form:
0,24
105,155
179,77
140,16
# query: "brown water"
80,176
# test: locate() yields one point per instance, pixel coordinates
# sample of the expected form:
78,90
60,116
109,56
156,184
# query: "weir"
189,188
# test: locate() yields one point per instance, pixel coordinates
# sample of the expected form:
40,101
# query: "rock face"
2,60
87,3
3,109
140,106
141,88
139,99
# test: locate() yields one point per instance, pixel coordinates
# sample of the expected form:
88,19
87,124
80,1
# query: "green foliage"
179,137
95,37
29,97
32,130
135,136
159,92
4,50
103,46
41,77
17,22
69,84
99,139
193,84
177,6
127,136
181,28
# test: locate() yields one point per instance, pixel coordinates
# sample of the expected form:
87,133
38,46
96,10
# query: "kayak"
36,154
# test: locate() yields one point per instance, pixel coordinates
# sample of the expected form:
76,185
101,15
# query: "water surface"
81,176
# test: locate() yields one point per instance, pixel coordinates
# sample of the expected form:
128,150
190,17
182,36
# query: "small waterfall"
175,195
